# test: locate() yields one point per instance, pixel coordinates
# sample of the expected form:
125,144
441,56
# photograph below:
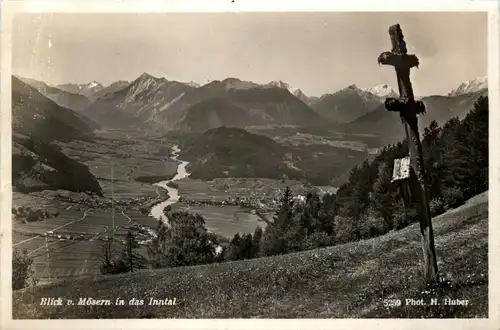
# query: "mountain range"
179,106
149,101
471,86
215,115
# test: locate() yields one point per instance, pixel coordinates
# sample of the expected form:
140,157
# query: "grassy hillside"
345,281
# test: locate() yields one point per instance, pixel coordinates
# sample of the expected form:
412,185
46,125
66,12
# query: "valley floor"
346,281
69,245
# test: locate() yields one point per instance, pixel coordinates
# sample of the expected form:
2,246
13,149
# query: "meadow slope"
345,281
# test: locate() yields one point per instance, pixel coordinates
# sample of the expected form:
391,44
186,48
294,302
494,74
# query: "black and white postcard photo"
252,164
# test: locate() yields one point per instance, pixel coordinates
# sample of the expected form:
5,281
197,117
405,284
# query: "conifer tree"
134,260
234,248
257,236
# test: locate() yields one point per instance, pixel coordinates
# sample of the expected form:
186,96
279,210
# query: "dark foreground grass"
346,281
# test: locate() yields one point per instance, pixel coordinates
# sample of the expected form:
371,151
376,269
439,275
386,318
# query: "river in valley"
173,193
157,211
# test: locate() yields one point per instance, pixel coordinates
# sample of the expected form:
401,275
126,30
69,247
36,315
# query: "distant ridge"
87,90
63,98
347,104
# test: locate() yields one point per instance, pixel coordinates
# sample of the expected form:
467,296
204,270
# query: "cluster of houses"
144,235
261,202
65,237
104,203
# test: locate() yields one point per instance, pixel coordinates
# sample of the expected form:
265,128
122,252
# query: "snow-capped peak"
279,84
382,90
470,86
93,84
193,84
283,85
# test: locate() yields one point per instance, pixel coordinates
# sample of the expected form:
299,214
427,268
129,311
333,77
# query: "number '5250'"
392,302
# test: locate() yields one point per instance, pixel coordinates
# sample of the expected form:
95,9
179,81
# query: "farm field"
73,222
224,220
35,200
117,164
54,259
316,136
309,139
68,257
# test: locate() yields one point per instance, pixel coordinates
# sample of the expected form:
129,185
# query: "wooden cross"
408,109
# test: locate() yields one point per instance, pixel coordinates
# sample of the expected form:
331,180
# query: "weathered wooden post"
408,109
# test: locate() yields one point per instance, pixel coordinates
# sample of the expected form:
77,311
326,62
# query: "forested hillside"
369,204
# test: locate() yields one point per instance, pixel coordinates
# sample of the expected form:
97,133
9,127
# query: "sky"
318,52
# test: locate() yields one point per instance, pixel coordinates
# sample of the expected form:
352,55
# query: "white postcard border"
10,8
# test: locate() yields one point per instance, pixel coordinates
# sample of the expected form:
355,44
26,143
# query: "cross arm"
398,60
401,105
